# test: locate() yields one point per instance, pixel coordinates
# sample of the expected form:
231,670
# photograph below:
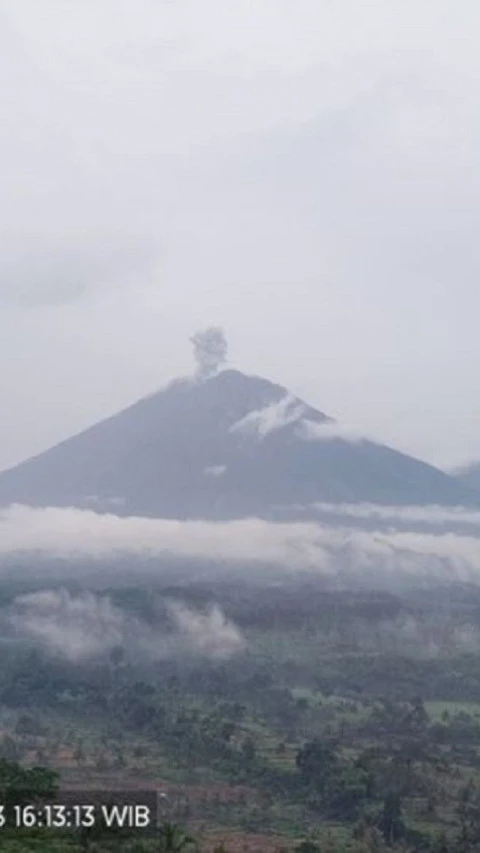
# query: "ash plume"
210,349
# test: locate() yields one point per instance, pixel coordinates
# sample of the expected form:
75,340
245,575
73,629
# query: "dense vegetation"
349,722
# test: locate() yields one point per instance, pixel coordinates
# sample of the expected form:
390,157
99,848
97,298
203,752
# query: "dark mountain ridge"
228,446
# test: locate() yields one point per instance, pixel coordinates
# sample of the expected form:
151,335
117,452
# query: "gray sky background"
304,173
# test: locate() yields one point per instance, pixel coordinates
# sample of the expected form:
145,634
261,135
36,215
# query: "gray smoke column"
210,349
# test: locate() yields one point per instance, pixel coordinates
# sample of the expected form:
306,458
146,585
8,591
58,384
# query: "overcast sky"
304,173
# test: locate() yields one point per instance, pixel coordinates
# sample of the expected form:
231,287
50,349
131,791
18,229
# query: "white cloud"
373,556
74,627
215,470
273,417
73,533
210,633
85,626
314,431
429,514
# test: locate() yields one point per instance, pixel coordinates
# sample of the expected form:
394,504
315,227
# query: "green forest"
349,721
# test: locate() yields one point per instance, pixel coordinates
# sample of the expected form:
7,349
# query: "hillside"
469,476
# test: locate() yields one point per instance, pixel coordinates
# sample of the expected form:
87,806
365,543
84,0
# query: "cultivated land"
346,721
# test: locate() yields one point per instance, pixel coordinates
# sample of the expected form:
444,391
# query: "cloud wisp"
87,626
314,431
437,515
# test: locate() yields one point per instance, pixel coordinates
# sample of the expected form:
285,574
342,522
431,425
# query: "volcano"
228,446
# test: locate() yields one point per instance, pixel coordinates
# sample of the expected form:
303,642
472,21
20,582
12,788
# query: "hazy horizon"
304,175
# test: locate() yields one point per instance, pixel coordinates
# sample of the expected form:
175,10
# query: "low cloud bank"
437,515
86,626
371,555
74,533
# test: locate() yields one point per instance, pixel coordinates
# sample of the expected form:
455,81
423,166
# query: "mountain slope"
469,476
230,446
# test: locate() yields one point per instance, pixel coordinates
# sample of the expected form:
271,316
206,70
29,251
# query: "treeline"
322,772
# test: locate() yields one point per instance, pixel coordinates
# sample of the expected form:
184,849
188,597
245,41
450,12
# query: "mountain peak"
222,445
